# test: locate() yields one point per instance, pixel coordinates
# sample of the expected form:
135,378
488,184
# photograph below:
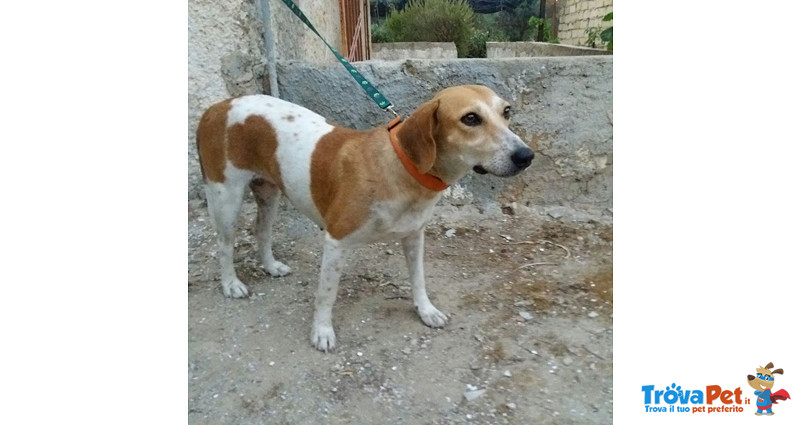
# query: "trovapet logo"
676,399
715,399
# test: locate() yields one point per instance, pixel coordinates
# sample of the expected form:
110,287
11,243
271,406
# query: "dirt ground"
529,299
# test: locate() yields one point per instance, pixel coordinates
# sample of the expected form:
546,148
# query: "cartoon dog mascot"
763,382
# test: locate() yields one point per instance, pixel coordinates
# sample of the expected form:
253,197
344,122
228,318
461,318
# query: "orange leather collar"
429,181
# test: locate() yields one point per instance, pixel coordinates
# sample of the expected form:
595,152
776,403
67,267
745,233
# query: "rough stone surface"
524,49
413,50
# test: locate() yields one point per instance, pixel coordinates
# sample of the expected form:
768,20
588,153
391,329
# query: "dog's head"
764,378
463,128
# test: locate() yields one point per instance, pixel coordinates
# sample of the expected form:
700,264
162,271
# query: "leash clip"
390,108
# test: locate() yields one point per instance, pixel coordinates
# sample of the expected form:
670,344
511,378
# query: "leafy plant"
433,20
533,24
606,36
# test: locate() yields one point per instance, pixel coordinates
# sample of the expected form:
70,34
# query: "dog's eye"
471,119
507,112
760,376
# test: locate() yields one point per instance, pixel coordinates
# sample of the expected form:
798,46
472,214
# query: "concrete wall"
562,108
413,50
226,50
575,16
523,49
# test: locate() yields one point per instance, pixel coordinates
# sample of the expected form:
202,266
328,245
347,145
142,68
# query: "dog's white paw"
234,289
278,269
431,316
323,338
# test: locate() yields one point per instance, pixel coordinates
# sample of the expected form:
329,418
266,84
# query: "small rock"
525,315
272,363
389,252
593,314
450,233
472,395
567,361
511,406
507,374
359,354
406,351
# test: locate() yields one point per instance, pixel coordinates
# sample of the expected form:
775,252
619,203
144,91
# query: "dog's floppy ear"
778,371
416,136
768,366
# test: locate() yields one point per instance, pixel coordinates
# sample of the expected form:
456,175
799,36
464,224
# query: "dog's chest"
396,218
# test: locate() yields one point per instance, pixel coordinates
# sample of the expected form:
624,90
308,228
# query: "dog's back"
263,137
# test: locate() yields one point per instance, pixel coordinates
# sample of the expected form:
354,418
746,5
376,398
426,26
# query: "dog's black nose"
522,157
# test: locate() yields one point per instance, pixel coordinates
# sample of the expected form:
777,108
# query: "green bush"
476,45
533,24
433,20
380,34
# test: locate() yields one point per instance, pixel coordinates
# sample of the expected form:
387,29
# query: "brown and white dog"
359,186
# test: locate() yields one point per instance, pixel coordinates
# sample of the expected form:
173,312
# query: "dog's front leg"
414,248
322,335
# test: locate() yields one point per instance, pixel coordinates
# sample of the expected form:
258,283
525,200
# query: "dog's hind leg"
267,196
224,204
414,248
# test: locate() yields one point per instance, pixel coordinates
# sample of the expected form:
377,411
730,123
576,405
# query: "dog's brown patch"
211,141
252,146
334,182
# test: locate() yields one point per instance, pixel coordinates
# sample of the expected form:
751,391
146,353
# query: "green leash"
372,92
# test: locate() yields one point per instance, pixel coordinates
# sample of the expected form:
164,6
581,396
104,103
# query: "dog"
358,186
763,383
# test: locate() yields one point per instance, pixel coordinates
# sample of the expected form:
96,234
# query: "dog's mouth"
480,170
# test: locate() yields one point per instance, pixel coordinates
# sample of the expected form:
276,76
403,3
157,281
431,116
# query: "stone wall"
414,50
575,16
526,49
